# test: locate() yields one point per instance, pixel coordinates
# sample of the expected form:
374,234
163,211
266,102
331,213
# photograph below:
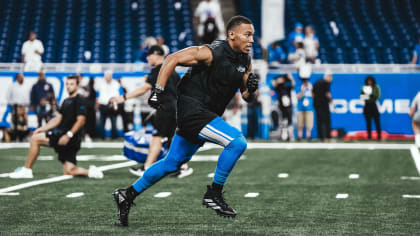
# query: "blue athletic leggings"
181,151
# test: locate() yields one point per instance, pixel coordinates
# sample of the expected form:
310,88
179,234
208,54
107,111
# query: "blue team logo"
240,69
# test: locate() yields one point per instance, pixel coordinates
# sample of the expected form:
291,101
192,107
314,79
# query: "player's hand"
252,82
64,140
117,100
155,99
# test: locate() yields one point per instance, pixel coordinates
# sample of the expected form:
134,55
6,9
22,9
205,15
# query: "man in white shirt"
415,115
18,98
108,88
32,51
18,92
209,9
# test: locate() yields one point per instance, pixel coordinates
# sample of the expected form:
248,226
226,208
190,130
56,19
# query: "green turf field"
305,203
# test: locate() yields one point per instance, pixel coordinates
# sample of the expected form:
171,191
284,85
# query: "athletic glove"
252,82
155,99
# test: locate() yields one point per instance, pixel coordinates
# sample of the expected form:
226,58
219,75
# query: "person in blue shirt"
294,37
305,117
416,54
276,54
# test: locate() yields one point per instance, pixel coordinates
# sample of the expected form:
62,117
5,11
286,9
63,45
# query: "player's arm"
80,121
132,94
186,57
54,122
249,89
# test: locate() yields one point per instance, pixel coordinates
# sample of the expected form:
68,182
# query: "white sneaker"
137,171
417,140
22,173
95,173
184,171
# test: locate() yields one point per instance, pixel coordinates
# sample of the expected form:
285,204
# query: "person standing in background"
107,89
89,95
284,85
322,98
42,99
305,116
18,99
370,93
311,44
32,51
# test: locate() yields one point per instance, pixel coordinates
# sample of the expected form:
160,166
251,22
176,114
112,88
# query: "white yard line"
416,156
342,195
162,194
9,194
36,182
251,195
63,177
410,177
410,196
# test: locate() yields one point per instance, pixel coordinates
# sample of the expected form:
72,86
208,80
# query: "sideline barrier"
399,84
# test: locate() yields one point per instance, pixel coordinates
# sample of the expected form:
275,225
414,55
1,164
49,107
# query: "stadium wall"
397,91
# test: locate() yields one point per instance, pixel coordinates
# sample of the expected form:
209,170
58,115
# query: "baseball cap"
156,49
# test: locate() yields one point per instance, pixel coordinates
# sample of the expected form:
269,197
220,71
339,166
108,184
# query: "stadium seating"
111,30
252,10
370,31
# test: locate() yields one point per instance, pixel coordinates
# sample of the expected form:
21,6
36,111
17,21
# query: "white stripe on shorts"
213,136
219,132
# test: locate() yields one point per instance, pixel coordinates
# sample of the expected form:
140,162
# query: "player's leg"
309,123
35,142
368,125
234,143
416,130
34,146
300,123
378,126
67,156
71,169
154,149
180,152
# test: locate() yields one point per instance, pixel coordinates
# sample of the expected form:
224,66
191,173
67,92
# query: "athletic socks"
132,193
216,187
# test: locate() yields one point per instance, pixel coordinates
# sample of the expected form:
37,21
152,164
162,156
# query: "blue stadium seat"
375,27
110,29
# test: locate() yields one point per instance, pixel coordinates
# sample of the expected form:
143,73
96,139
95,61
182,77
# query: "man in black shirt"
217,71
322,98
164,120
284,85
63,133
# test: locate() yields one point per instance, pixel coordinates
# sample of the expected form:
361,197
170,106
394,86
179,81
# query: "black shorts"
67,152
190,126
164,123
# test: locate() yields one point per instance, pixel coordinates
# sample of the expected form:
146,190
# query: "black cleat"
214,200
124,204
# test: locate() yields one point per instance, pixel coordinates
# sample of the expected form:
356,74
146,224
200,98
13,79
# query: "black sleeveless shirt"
210,88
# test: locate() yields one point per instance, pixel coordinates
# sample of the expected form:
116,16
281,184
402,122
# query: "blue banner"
397,92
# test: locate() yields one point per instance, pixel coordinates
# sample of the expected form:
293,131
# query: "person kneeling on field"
63,133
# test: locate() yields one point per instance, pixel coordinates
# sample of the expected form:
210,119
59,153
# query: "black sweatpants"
323,121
